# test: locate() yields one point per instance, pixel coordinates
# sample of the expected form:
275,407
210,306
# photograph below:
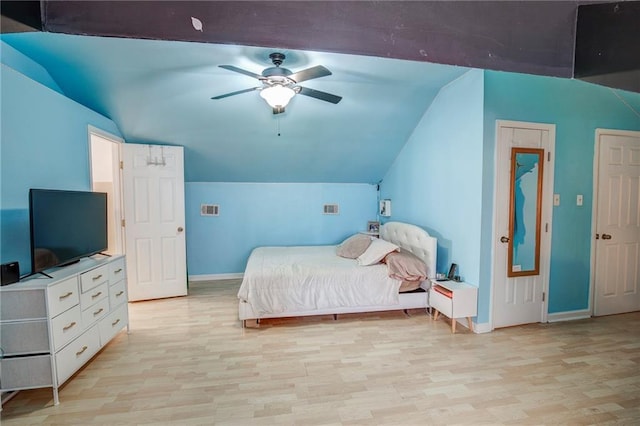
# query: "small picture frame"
373,227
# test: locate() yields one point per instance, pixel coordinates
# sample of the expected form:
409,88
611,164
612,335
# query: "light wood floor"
188,361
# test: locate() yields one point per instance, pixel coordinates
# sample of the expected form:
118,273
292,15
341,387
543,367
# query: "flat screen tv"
66,226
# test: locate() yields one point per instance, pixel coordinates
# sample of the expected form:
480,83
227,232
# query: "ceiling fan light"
277,96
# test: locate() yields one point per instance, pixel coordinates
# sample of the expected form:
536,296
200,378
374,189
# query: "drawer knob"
117,271
69,326
96,295
98,312
97,277
120,293
81,351
64,296
113,324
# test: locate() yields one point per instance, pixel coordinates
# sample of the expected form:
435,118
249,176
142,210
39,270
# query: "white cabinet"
455,300
51,327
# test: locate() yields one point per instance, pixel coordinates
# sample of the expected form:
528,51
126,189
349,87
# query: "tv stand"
51,327
33,274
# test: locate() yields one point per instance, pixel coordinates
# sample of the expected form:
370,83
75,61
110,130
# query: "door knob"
606,236
180,229
504,239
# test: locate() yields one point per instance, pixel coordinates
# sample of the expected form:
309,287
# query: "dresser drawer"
28,337
118,294
26,372
66,326
76,354
112,324
94,295
116,271
94,278
63,296
24,304
441,303
95,312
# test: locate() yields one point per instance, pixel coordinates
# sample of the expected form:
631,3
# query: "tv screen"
66,226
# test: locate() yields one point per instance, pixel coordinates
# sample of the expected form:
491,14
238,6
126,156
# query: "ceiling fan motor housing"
276,72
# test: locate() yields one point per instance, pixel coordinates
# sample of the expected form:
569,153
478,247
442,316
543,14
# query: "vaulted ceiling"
152,67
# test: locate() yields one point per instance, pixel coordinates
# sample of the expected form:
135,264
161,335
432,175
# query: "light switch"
556,199
579,200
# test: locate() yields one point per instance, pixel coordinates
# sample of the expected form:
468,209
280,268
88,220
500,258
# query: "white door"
617,243
153,178
520,300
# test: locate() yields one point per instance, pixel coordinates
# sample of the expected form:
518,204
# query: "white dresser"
50,327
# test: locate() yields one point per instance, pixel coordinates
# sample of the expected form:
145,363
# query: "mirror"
525,206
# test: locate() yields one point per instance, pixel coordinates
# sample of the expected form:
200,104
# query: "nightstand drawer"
63,296
441,303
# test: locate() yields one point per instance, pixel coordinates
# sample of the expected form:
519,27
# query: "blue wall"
434,182
577,108
44,142
258,214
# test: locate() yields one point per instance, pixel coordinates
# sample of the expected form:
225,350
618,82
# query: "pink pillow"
353,246
406,266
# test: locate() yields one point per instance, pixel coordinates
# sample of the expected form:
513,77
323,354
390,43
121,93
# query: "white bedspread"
283,279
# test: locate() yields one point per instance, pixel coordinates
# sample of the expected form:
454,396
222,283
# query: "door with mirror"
524,186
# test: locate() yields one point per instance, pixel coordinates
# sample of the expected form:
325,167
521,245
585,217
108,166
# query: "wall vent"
209,210
331,209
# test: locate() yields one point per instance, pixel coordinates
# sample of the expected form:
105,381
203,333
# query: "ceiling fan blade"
324,96
241,71
309,73
226,95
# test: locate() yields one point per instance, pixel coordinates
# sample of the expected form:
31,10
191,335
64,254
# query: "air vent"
209,210
331,209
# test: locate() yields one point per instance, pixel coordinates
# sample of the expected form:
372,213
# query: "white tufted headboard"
414,239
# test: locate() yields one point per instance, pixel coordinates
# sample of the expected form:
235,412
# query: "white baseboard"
477,328
214,277
484,327
569,315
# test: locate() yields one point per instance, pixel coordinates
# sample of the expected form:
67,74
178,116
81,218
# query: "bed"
312,280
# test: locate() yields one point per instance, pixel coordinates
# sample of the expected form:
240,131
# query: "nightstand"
454,300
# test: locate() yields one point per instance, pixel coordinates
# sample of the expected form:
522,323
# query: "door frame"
547,213
594,207
118,206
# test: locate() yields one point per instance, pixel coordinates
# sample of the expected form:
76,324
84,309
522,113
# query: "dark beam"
608,44
520,36
20,16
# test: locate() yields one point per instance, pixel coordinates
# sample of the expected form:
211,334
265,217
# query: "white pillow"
376,251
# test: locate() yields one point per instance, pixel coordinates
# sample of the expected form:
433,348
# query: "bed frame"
408,237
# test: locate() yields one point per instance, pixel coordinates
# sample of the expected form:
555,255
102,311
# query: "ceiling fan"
279,84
